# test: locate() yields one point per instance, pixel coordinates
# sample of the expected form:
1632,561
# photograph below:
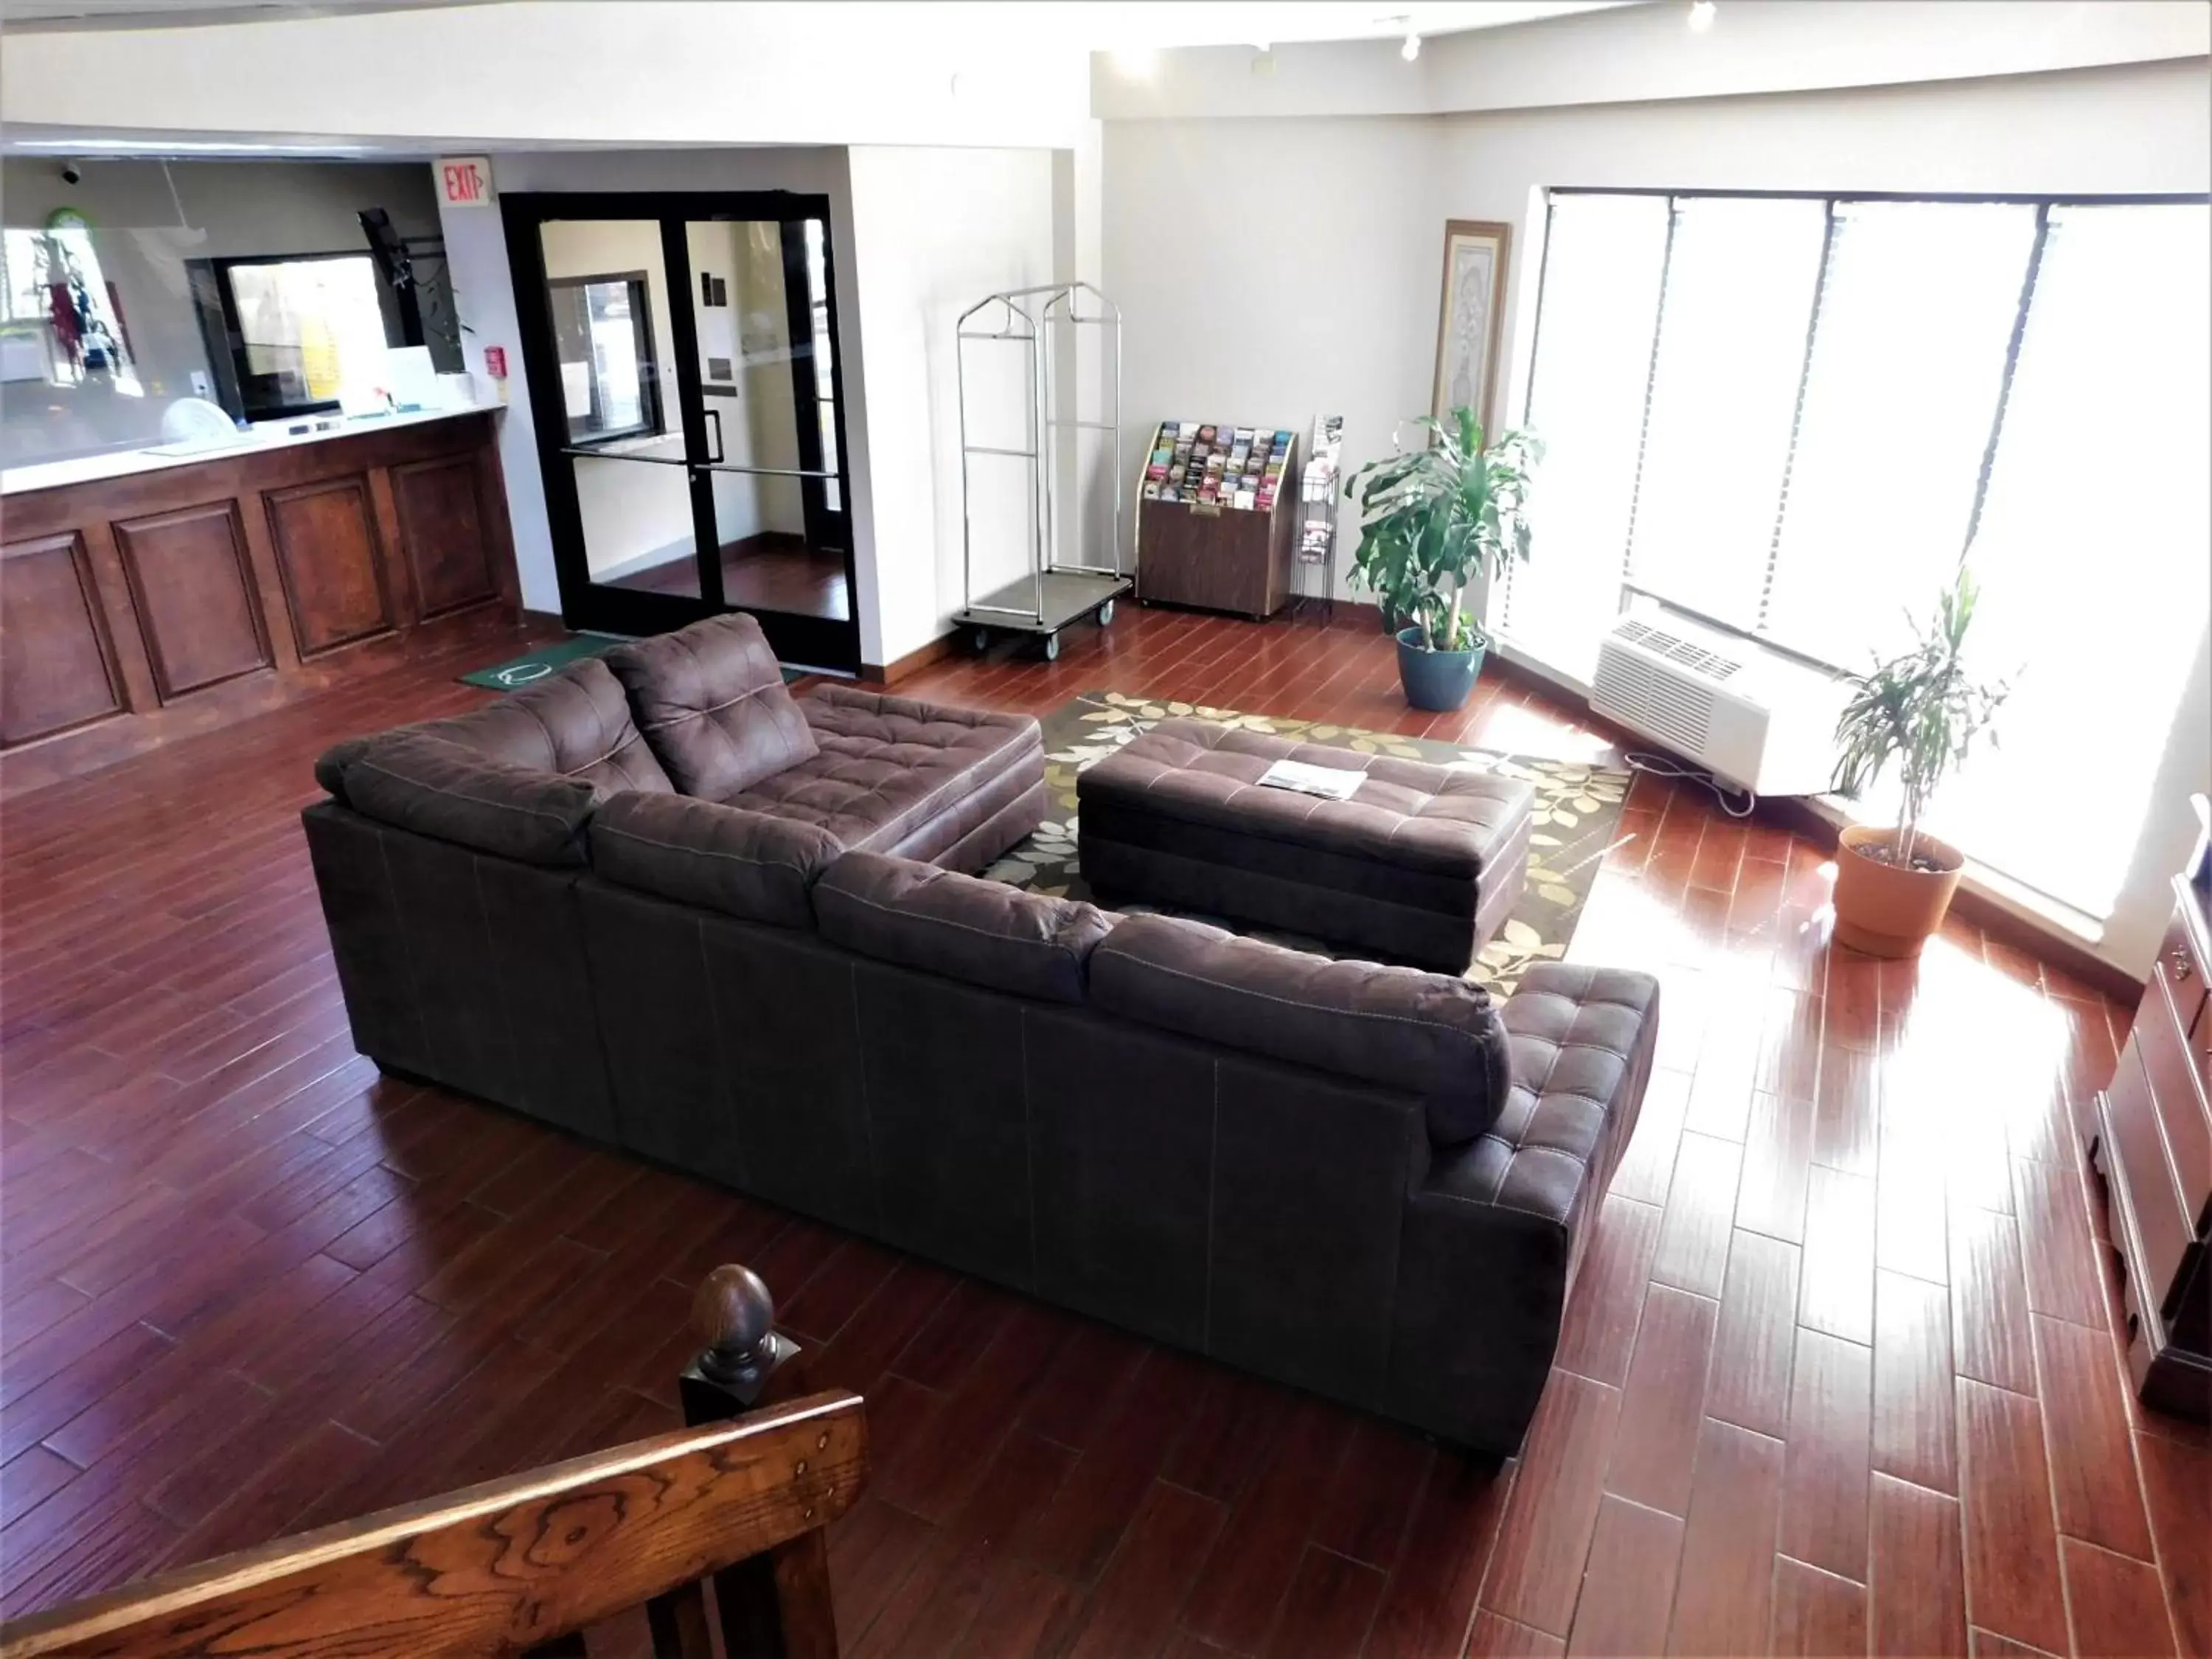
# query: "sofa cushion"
575,723
943,922
743,864
1438,1037
713,704
888,768
421,780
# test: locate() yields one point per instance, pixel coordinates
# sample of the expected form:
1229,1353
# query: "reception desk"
146,596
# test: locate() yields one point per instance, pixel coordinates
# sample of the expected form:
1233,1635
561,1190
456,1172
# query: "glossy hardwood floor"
1839,1374
768,572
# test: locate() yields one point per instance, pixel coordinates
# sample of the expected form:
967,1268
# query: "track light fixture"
1412,49
1702,13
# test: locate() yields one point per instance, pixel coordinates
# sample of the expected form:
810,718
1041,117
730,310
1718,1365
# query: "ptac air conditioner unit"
1752,717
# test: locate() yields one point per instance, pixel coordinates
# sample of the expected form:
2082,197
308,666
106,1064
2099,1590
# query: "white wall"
573,72
937,230
1266,306
1645,53
1340,298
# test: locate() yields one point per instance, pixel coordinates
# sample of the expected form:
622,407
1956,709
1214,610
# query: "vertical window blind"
1794,415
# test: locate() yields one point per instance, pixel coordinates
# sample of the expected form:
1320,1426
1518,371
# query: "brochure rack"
1217,506
1318,501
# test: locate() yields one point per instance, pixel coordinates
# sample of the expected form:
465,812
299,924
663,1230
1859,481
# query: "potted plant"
1919,709
1432,522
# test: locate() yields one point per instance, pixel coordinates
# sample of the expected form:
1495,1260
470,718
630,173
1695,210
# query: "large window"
60,320
293,331
603,331
1794,415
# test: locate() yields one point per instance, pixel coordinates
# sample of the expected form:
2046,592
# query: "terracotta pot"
1884,909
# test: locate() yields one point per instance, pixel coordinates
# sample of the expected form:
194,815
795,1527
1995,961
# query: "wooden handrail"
519,1563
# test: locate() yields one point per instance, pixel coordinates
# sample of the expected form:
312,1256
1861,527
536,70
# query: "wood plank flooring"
772,571
1840,1375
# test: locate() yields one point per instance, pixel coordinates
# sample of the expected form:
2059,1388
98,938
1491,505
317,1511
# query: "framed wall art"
1471,324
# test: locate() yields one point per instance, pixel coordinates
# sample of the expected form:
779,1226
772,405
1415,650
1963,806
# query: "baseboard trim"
911,664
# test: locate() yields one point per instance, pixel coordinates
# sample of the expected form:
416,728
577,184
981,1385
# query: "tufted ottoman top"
1407,814
885,765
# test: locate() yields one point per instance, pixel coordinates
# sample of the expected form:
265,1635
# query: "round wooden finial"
733,1315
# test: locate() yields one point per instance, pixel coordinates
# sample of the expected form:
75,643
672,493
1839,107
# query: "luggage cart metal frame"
1056,593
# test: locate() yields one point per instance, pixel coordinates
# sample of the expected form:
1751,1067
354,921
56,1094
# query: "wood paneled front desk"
145,596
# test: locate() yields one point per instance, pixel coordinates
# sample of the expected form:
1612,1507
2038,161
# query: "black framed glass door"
685,390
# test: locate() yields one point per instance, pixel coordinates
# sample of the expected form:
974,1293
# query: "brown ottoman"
1420,866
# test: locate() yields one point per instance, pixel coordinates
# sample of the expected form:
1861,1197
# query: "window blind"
1741,282
1907,362
1604,258
1795,416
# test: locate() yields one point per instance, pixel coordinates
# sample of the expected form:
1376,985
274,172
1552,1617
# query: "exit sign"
465,180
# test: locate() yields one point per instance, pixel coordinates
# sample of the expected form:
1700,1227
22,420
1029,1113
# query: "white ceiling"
1103,25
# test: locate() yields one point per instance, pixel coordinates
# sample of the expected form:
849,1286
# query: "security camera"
72,173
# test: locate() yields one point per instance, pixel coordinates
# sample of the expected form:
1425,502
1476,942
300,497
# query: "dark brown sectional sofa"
659,902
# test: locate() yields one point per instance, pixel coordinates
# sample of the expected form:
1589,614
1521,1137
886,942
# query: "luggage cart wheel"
980,639
1106,614
1052,647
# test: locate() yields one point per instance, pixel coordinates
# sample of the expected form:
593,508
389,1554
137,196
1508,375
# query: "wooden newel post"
775,1606
743,1361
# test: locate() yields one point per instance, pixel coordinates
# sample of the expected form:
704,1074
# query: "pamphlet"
1243,468
1329,782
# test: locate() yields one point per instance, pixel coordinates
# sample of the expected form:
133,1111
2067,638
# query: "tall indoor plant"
1920,710
1433,521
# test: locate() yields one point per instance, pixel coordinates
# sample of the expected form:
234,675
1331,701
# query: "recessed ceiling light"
1412,49
1702,13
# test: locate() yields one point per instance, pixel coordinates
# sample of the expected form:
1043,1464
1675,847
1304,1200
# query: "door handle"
715,416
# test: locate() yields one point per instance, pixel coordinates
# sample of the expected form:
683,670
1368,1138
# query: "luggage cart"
1057,590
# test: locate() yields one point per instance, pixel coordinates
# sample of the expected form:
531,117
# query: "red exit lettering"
465,180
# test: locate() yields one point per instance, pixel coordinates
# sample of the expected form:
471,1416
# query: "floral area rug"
1577,816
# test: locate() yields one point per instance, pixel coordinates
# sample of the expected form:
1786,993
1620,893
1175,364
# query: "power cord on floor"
1663,766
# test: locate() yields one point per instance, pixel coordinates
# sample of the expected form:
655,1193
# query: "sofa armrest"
744,864
421,781
1495,1232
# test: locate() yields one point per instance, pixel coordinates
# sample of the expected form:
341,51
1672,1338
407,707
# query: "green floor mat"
537,665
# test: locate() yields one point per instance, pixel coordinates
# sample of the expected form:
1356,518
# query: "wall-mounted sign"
465,180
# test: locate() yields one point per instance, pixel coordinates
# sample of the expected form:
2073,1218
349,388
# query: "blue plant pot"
1436,680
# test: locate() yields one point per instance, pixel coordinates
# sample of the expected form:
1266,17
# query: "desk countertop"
121,463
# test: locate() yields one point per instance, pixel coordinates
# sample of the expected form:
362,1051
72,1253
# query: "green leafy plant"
1919,709
1436,519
